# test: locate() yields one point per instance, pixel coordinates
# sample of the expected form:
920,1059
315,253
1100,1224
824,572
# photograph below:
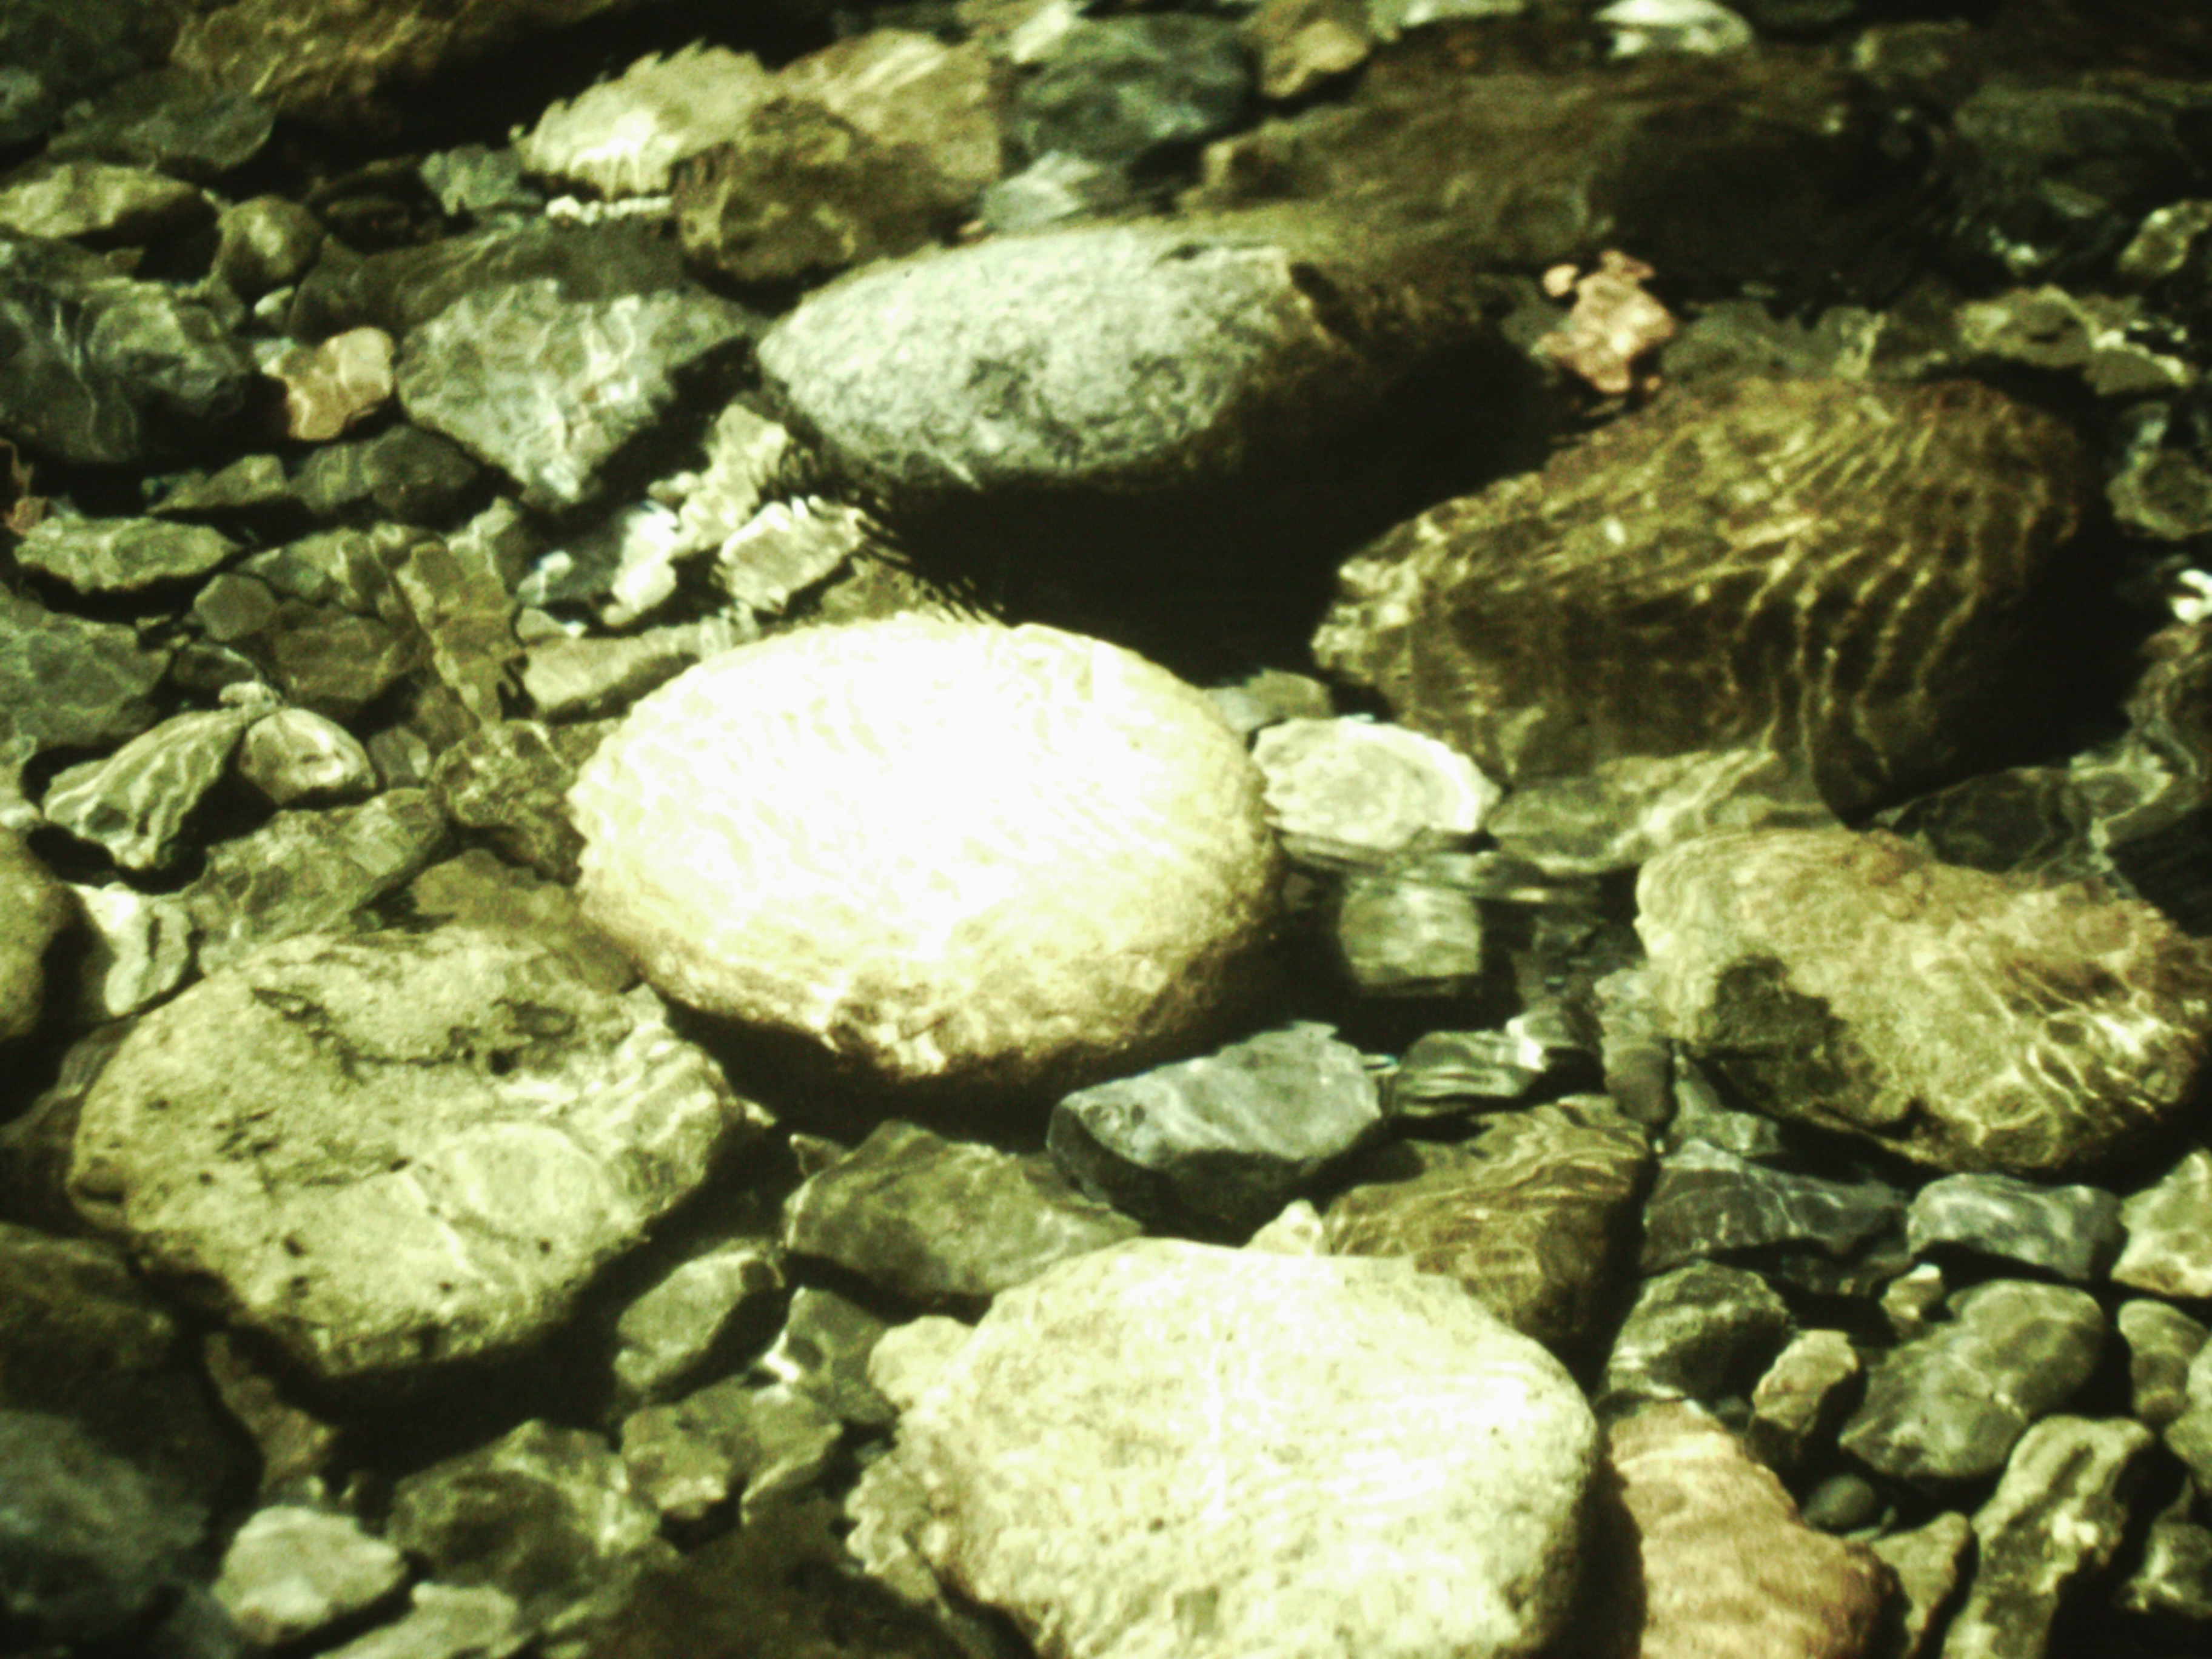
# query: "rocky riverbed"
1250,830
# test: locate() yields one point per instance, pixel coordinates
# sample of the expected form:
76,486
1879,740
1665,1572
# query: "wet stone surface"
889,831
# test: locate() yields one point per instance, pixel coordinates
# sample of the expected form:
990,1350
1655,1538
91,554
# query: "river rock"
2058,1516
307,870
1534,1218
1354,788
545,1514
403,472
2169,1226
340,63
1729,1570
1052,853
704,1305
106,369
727,1441
133,804
91,1540
1125,90
2071,1231
1928,1562
508,783
625,136
401,289
822,1353
804,194
295,756
486,1132
1225,1141
547,387
170,118
291,1572
1118,357
334,384
121,556
138,948
1706,1333
907,89
931,1219
1800,1399
1708,1202
35,907
60,52
100,204
2162,1342
266,242
1950,1405
1608,621
68,682
1461,1460
2042,1028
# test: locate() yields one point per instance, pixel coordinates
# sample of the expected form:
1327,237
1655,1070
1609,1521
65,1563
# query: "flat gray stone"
1119,357
1706,1333
393,1152
1206,1438
931,1220
544,1514
1226,1139
1357,788
698,1309
122,555
68,682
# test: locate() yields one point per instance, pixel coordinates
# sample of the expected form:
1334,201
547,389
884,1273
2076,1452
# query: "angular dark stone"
1227,1140
396,291
37,909
728,1440
101,205
89,1540
1535,1216
708,1303
403,472
134,803
1124,89
822,1353
1401,933
1450,1073
2072,1231
108,370
1950,1405
111,556
932,1220
172,119
1638,603
1704,1332
509,784
2169,1227
804,194
58,50
2162,1343
545,1513
1709,1202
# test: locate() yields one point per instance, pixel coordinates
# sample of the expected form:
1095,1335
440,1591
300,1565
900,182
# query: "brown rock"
1967,1020
337,62
1530,1217
1659,591
1729,1568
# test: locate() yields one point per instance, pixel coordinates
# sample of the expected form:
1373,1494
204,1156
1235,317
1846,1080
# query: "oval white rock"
940,849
